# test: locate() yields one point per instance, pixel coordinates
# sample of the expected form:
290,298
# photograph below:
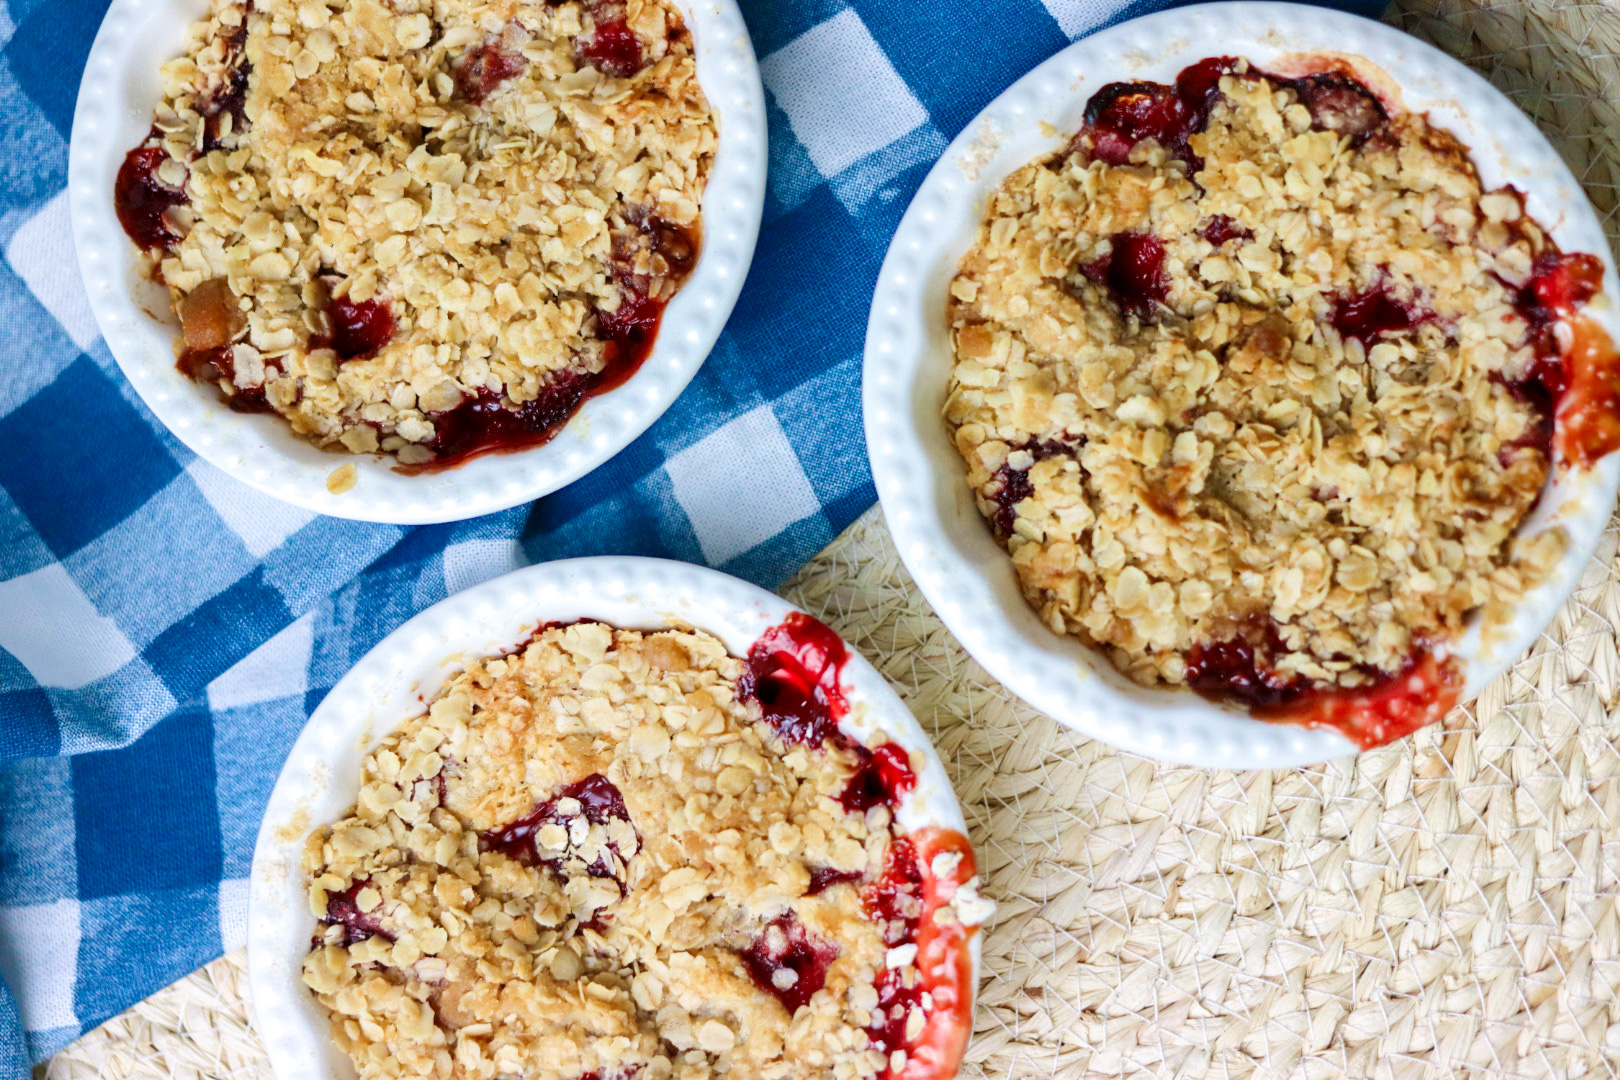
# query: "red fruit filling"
142,200
1339,103
212,366
359,330
230,99
1132,272
895,898
1577,381
1559,286
1391,708
880,780
1589,411
612,46
794,674
1015,486
1240,668
905,899
488,424
1120,115
1368,315
484,69
343,909
600,801
1387,707
785,946
823,878
629,331
1220,228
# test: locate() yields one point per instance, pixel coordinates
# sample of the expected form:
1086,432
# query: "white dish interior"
120,88
941,536
321,777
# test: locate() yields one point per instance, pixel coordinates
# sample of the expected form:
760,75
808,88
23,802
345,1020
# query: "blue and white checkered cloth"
164,631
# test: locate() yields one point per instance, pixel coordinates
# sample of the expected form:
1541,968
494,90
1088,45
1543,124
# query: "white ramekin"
120,88
321,777
941,536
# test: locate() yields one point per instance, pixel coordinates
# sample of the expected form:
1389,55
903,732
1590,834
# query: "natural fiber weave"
1449,906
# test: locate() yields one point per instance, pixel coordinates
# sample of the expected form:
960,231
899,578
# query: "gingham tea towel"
164,631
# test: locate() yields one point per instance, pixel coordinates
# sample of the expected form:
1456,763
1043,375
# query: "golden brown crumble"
386,209
564,867
1283,383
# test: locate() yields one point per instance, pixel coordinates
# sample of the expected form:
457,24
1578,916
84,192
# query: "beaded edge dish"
120,85
939,531
318,782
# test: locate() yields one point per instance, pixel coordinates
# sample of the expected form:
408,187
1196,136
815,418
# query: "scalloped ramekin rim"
940,535
321,776
114,111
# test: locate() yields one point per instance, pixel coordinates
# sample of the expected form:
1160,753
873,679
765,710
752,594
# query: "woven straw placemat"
1449,906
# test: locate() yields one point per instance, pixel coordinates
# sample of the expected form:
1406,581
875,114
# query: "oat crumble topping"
426,229
606,855
1256,383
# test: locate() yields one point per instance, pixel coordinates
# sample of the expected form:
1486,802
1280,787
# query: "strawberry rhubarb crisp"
614,854
429,229
1256,383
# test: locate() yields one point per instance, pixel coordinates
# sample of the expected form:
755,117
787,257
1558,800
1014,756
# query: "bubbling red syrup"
600,801
1240,668
795,671
795,674
485,69
628,330
489,424
1589,411
1559,286
343,909
1574,382
1385,708
142,200
785,945
915,884
1132,272
880,780
1390,708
